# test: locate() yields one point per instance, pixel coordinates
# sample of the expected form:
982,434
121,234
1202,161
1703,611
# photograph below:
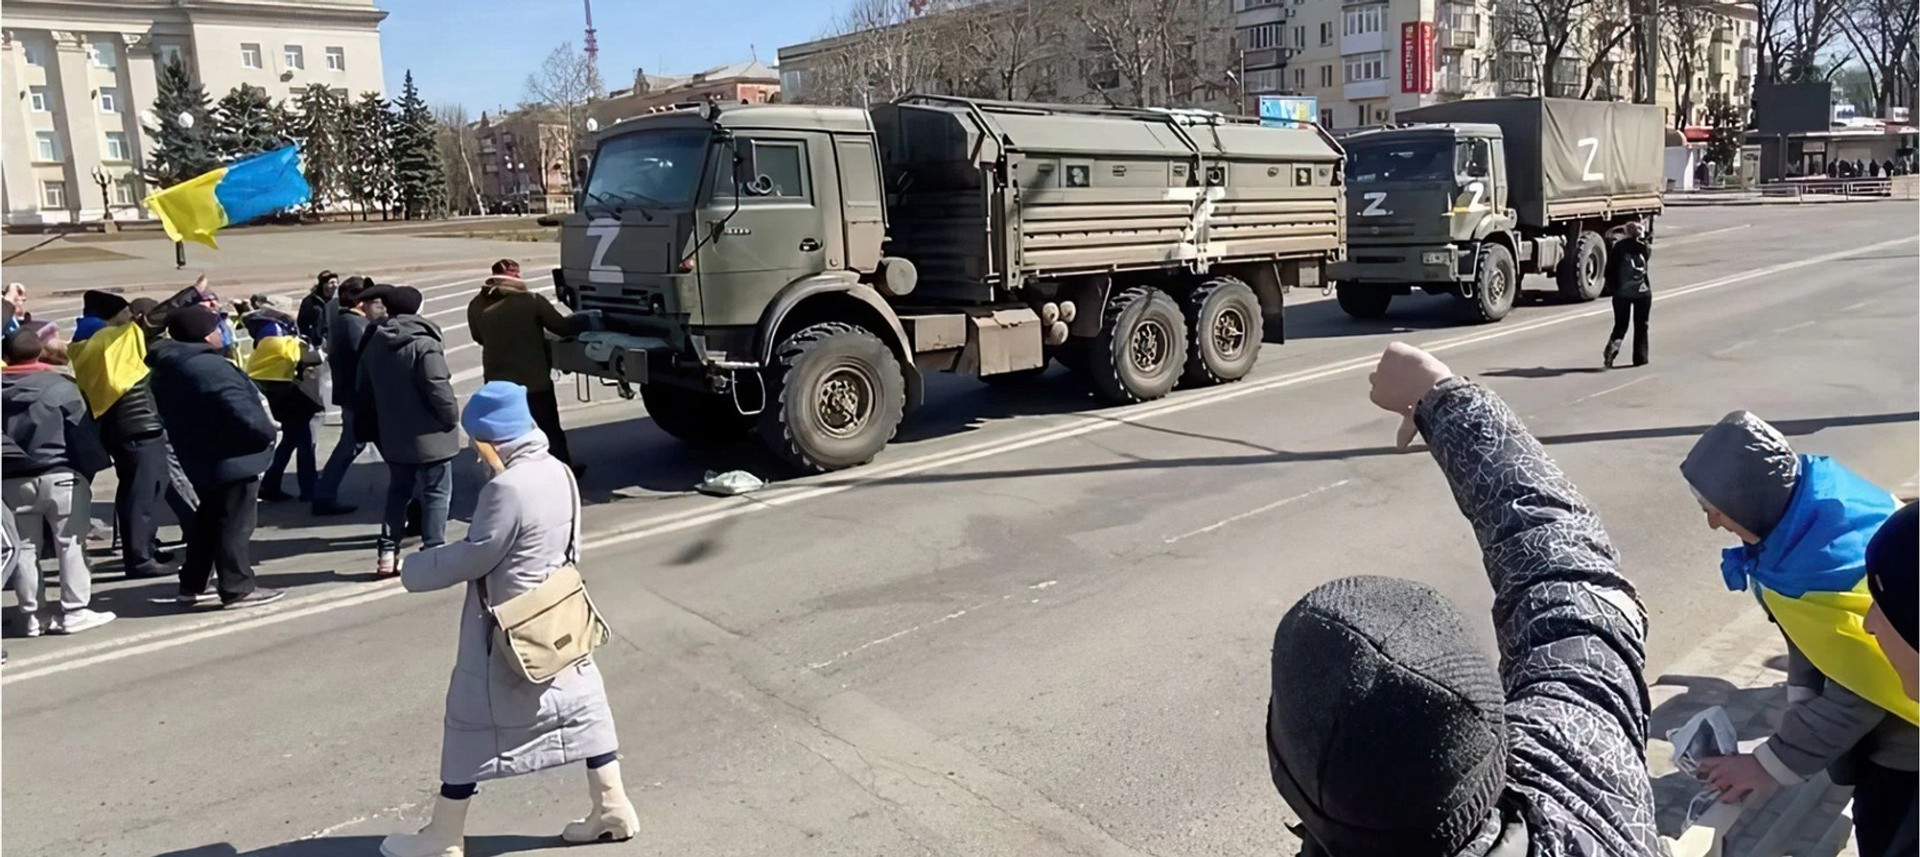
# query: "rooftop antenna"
592,46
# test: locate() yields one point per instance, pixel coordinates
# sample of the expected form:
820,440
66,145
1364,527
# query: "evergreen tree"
247,123
180,150
318,123
418,179
1729,124
368,160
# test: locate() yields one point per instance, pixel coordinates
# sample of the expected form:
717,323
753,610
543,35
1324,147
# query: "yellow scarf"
1830,629
107,364
275,358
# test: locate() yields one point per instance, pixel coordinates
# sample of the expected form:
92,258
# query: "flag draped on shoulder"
246,189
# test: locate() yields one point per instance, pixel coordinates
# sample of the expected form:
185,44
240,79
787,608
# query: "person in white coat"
498,724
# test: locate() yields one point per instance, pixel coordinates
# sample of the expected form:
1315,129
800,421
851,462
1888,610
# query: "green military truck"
1470,196
793,271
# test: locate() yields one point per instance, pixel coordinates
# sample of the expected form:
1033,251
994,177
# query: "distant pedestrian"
346,331
1873,169
53,453
1632,288
525,525
225,439
313,309
406,407
287,370
510,323
1804,523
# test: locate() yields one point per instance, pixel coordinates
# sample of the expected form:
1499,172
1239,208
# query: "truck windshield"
648,168
1422,159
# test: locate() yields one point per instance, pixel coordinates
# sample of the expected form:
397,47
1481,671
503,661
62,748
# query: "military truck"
793,271
1469,197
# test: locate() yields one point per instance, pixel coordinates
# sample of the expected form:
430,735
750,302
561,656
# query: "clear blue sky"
479,52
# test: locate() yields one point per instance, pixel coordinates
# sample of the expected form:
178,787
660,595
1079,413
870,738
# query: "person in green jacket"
510,323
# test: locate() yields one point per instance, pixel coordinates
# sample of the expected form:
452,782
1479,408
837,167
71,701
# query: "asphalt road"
1032,627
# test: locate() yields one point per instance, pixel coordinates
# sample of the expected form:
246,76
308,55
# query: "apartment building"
79,75
749,82
525,162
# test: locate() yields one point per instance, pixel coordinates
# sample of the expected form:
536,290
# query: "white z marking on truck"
1592,145
1476,191
1374,199
603,232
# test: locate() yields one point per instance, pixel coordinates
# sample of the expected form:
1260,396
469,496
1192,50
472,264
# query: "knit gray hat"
1386,732
1746,469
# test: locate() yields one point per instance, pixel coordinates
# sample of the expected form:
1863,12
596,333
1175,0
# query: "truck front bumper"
1441,263
604,354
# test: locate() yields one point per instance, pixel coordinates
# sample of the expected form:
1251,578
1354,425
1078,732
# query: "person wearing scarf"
1804,522
286,369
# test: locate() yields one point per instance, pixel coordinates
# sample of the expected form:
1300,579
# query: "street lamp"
106,202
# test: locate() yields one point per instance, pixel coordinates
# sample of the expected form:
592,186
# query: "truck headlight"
1435,257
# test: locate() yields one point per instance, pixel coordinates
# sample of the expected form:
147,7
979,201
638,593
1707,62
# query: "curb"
281,285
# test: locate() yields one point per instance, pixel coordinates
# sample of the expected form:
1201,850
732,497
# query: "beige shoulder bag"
543,631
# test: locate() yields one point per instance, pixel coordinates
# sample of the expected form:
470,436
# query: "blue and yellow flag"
195,209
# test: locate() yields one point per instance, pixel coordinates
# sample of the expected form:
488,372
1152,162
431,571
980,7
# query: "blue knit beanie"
497,413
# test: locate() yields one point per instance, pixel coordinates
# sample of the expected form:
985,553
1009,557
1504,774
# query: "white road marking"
1256,511
1614,389
1791,327
163,639
1732,348
1695,236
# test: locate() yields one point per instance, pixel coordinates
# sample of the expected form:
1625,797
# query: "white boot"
612,818
444,835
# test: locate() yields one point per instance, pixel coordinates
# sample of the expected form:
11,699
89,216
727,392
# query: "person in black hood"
1390,735
346,330
225,440
312,320
406,407
1632,293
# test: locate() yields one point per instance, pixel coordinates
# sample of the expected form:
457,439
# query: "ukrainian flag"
195,209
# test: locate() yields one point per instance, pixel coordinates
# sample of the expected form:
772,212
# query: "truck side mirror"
746,163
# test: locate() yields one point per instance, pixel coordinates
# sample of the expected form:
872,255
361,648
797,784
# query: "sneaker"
332,508
30,625
149,572
387,564
83,619
1612,353
255,598
189,599
273,494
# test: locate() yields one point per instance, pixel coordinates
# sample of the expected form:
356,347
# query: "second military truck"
1475,194
791,271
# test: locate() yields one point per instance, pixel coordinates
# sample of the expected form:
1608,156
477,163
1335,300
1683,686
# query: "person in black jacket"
1390,735
1632,293
225,439
131,430
348,328
411,414
312,320
54,453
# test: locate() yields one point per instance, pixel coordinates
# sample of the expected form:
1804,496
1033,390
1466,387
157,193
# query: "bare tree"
459,150
1882,33
1794,36
1164,53
563,86
1687,24
1004,48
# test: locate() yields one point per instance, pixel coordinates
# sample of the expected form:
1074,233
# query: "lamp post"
106,202
180,247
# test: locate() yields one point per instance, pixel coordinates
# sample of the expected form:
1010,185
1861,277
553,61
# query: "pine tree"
368,157
318,123
421,186
180,151
247,123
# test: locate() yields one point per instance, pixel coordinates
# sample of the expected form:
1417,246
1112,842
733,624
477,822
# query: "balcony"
1267,58
1457,40
1451,83
1518,87
1364,89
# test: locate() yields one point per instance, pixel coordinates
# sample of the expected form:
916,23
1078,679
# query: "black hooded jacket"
214,417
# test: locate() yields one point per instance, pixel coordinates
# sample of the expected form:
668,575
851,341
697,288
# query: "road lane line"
1614,389
1256,511
1686,237
65,661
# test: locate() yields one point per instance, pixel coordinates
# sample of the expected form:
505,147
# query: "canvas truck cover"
1566,157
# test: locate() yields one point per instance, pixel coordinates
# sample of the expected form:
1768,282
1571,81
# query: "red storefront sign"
1416,56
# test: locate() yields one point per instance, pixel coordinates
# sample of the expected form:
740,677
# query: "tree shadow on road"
1544,371
337,846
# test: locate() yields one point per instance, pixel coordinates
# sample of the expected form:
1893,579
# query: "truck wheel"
1583,273
1137,357
1494,284
1363,302
693,416
835,397
1223,332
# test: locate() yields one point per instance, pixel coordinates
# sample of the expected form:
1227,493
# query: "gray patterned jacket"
1571,630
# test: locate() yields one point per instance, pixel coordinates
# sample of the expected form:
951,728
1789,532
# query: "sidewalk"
1741,668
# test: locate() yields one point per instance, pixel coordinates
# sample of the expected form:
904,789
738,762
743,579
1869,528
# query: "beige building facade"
79,75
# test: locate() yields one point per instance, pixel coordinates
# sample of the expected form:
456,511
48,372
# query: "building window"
1366,20
296,58
101,53
117,148
1255,4
1326,32
1362,68
32,54
1261,37
336,59
1326,118
109,99
123,191
1299,78
48,150
249,55
1326,75
37,98
53,194
1266,80
170,54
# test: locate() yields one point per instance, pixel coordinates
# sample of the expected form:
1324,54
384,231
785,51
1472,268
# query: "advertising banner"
1289,110
1416,56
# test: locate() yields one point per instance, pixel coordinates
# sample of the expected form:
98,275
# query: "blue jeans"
433,484
344,453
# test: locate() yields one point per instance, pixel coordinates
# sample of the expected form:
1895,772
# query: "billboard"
1417,56
1289,109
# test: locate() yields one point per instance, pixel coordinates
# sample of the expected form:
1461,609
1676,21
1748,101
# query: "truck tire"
1138,355
1583,273
1495,282
695,417
835,397
1224,329
1362,302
